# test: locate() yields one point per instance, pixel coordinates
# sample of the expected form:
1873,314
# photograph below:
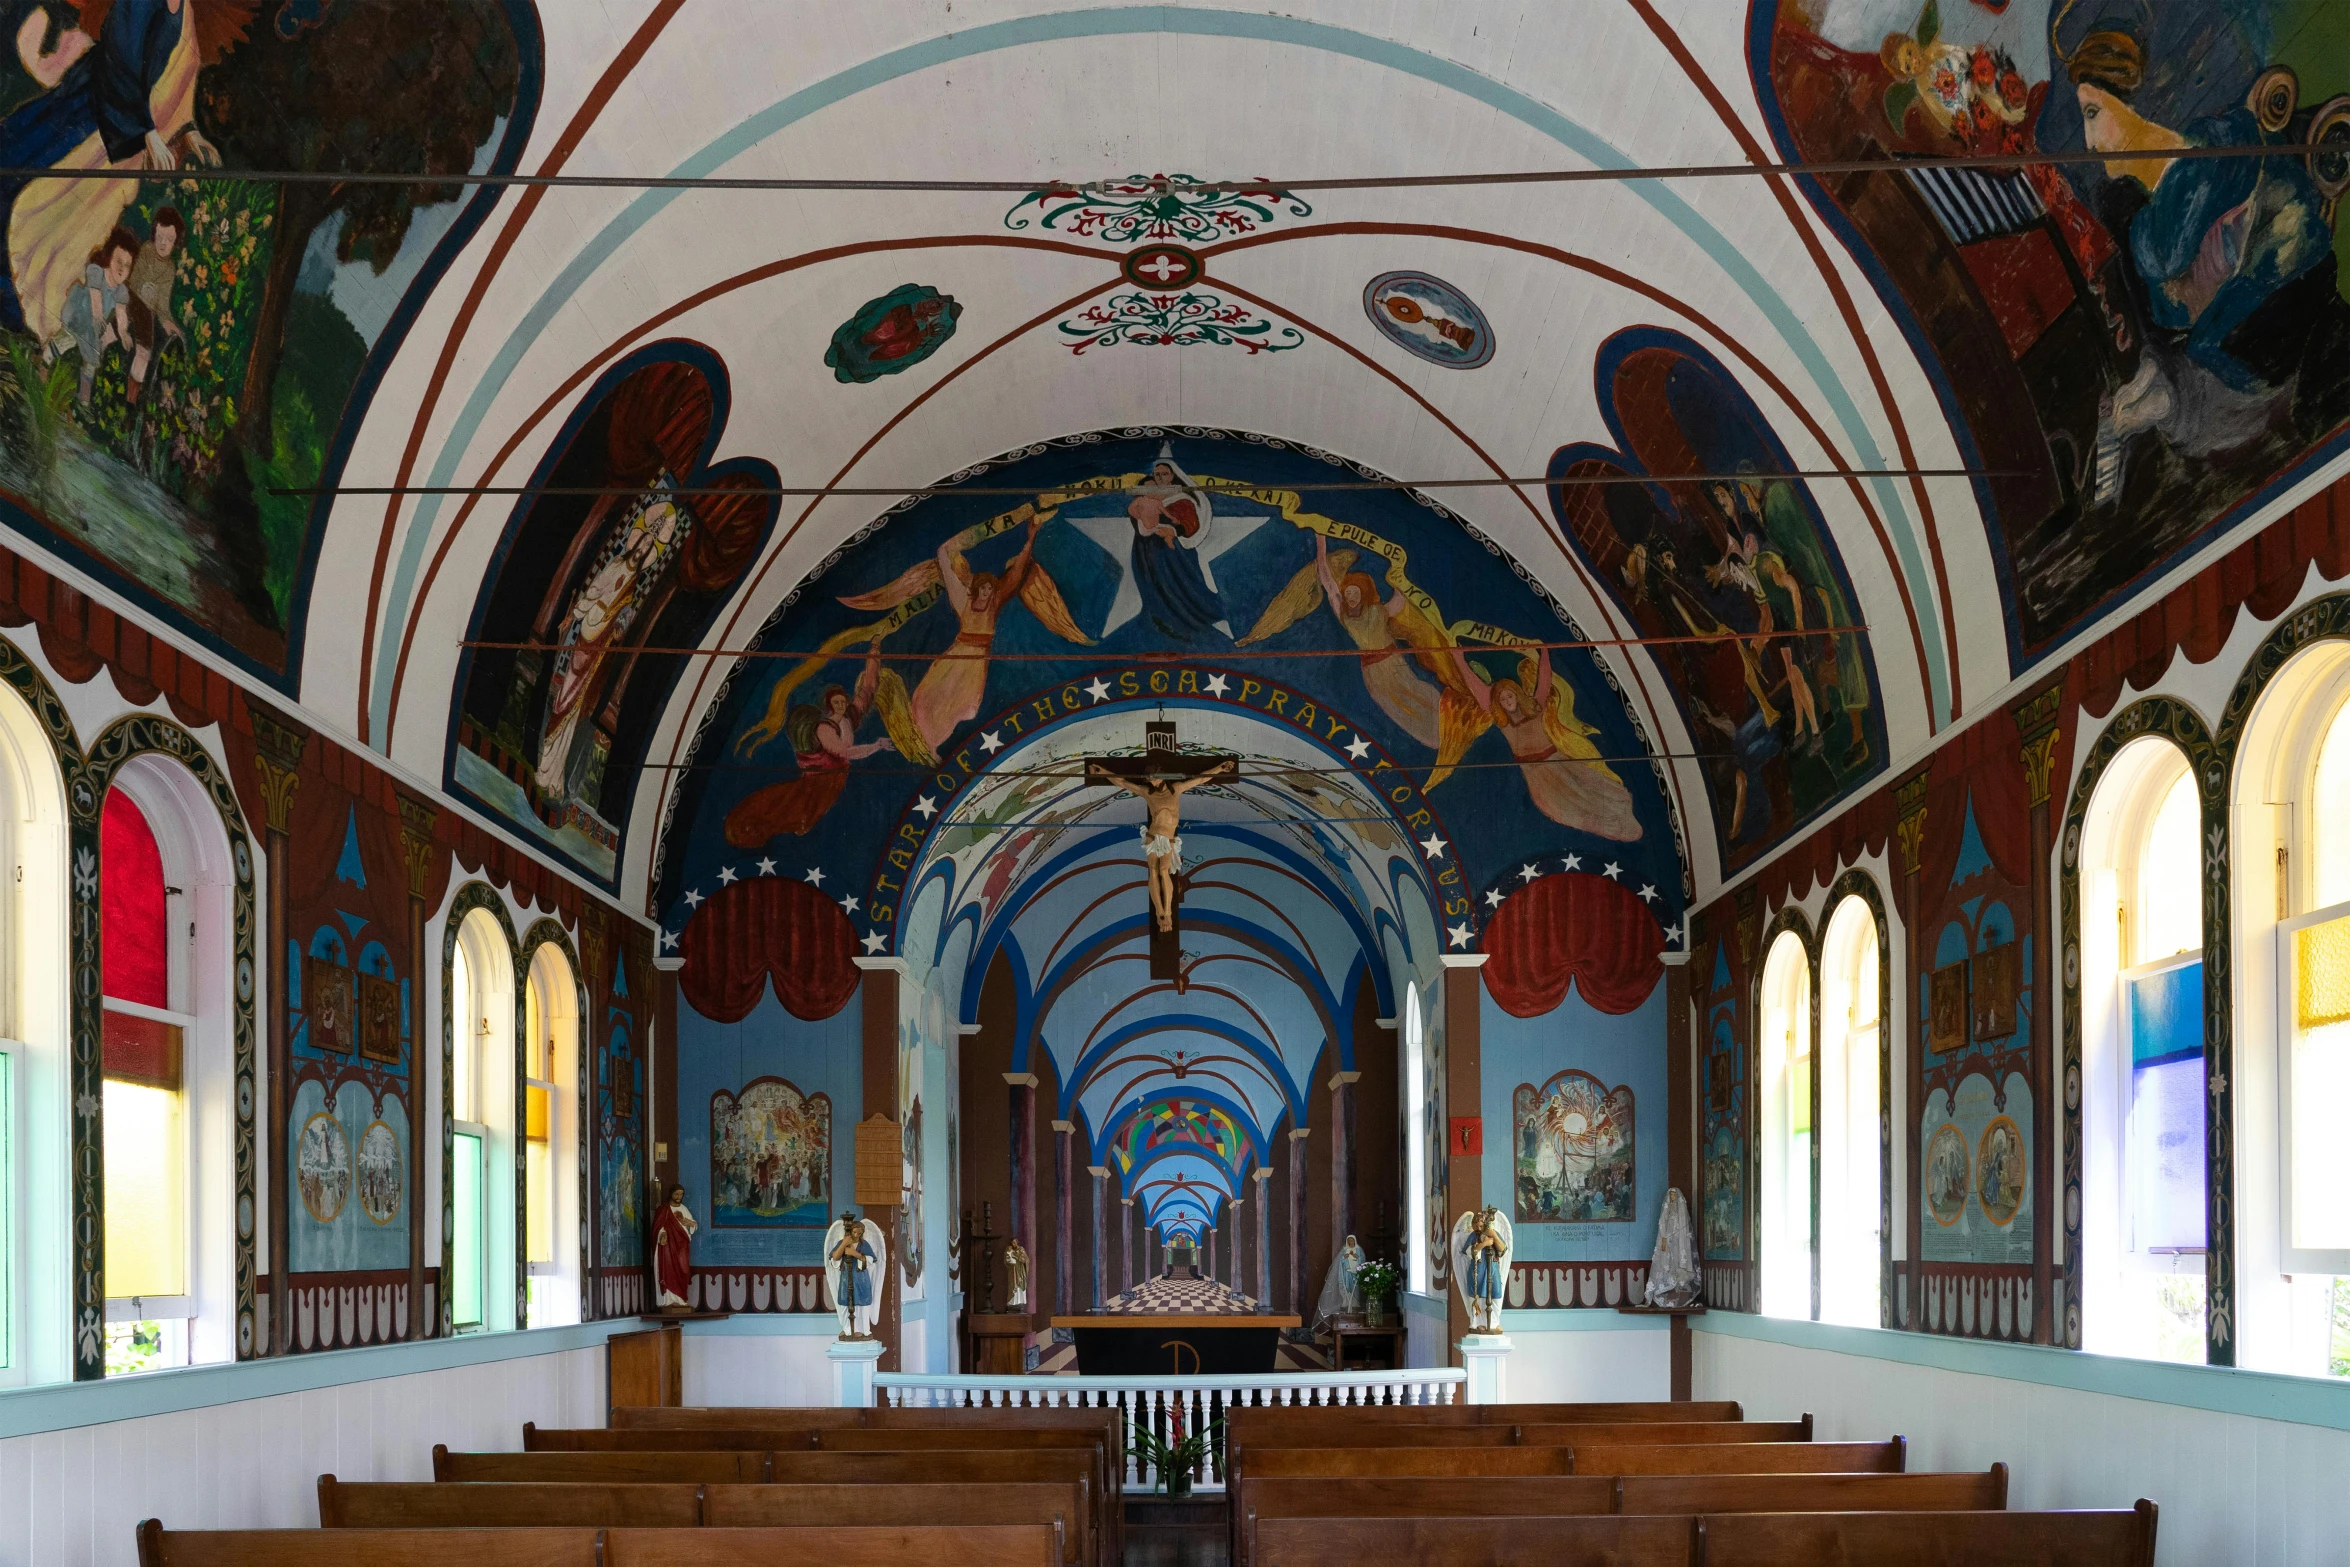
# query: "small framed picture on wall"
326,999
379,1019
1996,982
1946,1019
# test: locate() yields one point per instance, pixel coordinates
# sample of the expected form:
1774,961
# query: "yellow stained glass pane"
2321,971
538,1168
146,1192
539,1113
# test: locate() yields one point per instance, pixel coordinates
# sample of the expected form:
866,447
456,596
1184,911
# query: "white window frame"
1415,1142
1786,1279
1851,948
2161,1259
2297,1259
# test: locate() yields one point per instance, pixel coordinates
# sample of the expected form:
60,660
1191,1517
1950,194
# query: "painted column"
2035,722
883,979
1680,1129
1234,1274
1342,1154
1464,1078
277,753
1022,1164
1263,1175
1909,834
1299,1300
1125,1244
416,825
1064,1235
1101,1234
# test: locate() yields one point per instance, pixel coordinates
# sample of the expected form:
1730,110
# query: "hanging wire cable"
1172,660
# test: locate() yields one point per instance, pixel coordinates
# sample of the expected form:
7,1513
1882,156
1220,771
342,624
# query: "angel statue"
1481,1243
1016,1274
854,1256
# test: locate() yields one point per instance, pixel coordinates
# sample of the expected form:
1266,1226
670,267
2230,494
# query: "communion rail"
1169,1408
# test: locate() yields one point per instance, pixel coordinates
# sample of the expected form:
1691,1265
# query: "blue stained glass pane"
2165,1160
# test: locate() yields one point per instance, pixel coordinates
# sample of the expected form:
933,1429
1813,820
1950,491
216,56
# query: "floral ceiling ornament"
1154,207
1175,321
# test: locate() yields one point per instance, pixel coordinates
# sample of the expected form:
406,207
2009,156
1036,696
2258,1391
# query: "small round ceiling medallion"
1163,268
1429,317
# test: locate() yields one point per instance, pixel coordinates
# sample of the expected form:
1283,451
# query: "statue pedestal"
1486,1356
854,1361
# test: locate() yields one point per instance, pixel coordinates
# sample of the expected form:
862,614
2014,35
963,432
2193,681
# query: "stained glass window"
2164,1110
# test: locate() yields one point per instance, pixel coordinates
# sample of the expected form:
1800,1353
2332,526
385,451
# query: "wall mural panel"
1572,1150
2143,350
554,716
181,350
1774,686
771,1157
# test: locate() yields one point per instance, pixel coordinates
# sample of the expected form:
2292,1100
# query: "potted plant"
1172,1458
1378,1282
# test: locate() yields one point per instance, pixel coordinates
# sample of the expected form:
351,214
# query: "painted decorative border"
473,895
144,734
544,932
2166,718
1858,883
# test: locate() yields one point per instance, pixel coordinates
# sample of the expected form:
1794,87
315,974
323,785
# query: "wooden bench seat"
712,1468
1257,1500
1495,1435
428,1505
984,1545
1721,1458
1251,1417
1910,1539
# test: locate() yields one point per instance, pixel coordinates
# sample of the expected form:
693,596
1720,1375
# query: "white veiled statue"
1673,1276
1340,1291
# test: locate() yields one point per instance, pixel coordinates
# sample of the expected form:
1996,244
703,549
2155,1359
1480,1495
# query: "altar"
1178,1323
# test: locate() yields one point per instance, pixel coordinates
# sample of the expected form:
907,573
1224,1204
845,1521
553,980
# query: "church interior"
777,794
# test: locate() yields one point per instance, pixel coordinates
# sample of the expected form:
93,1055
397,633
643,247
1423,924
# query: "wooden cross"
1164,766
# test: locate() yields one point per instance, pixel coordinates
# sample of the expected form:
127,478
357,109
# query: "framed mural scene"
327,1000
2138,350
770,1157
1572,1148
185,360
1994,983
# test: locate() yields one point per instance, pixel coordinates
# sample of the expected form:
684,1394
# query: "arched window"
2292,1064
551,1138
1851,1117
482,1083
2142,1119
1786,1132
167,1057
1415,1138
36,1204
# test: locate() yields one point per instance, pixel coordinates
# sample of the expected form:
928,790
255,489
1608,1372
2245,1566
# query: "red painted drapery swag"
1579,928
768,928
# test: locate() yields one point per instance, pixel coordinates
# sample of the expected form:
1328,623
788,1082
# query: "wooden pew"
1312,1416
1256,1500
161,1547
1429,1462
427,1505
1599,1540
604,1468
979,1545
1729,1458
1496,1435
968,1467
1971,1491
1980,1539
561,1504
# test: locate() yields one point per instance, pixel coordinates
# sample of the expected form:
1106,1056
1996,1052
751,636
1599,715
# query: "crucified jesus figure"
1161,847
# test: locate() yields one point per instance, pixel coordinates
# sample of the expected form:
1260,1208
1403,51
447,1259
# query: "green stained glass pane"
466,1234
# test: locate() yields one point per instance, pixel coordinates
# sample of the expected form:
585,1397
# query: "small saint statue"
1162,847
1481,1244
673,1268
853,1255
1016,1274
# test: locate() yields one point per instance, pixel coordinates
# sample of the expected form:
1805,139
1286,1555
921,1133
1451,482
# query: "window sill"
2226,1390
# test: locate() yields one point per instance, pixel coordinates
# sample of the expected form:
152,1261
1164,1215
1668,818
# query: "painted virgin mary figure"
604,609
120,102
1172,518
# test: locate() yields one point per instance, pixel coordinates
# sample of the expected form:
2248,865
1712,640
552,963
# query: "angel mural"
917,724
1404,640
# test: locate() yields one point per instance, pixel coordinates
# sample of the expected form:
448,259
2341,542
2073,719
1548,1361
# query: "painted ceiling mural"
188,360
2137,350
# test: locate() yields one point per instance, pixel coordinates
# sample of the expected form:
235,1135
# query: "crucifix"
1160,777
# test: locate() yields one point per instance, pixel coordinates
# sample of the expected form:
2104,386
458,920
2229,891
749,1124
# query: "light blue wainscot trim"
768,1324
2225,1390
61,1406
1579,1319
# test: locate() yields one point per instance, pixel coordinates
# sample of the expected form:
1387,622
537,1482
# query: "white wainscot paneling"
73,1497
2232,1487
1610,1365
746,1368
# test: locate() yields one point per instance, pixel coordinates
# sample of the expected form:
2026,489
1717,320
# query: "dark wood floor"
1165,1533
